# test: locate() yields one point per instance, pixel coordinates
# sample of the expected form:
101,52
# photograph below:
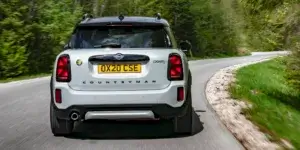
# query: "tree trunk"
96,8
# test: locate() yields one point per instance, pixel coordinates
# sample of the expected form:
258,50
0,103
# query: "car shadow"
95,130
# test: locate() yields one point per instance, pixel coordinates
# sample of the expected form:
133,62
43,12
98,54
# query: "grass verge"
24,77
276,105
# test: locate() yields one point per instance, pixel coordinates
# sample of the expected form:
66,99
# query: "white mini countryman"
121,68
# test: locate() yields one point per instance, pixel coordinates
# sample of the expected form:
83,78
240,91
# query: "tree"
33,32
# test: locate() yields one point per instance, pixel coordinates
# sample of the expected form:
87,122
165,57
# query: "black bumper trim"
160,110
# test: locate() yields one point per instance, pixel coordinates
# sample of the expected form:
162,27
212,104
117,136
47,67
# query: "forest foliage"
33,32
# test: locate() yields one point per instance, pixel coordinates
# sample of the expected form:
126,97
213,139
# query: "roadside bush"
12,56
293,64
214,28
292,39
264,23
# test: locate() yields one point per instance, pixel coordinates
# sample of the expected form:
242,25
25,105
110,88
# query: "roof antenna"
121,17
158,16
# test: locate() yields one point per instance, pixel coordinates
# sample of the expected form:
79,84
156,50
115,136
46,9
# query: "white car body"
150,83
151,86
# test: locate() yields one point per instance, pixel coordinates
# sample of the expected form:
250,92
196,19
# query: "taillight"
58,96
63,69
180,94
175,69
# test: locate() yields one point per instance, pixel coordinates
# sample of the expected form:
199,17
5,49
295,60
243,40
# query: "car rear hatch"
119,69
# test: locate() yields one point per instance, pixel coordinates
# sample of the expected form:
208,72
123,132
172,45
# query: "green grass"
24,77
276,105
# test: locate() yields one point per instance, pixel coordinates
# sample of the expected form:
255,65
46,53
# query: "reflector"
58,96
180,94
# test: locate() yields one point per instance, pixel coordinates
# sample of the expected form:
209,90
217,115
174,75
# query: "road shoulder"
230,110
22,82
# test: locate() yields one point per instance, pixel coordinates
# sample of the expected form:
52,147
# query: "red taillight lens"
58,96
63,70
180,94
175,71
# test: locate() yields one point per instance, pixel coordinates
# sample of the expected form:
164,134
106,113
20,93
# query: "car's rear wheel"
60,127
185,124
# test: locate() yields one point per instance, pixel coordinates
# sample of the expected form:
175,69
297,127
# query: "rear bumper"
72,97
163,103
159,110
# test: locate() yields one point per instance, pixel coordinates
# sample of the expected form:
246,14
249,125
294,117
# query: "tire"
185,124
59,127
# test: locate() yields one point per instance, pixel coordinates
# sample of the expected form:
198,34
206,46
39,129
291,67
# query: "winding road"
24,120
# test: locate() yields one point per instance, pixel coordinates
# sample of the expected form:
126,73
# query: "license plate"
119,68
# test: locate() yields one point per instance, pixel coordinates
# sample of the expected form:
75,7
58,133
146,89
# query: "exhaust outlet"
74,116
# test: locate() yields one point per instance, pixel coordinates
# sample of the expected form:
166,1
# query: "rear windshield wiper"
111,45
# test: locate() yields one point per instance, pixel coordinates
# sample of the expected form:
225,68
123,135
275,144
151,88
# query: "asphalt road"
24,120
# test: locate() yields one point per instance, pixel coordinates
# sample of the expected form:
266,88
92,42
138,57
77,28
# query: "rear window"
121,37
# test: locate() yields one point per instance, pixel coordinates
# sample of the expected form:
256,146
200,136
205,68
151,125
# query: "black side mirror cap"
185,46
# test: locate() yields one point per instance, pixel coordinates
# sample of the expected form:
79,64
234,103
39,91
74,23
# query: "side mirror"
185,46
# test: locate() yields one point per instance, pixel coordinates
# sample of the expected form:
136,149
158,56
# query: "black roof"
127,19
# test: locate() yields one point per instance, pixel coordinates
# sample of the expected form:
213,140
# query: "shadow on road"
129,130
